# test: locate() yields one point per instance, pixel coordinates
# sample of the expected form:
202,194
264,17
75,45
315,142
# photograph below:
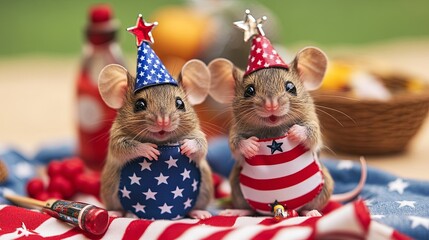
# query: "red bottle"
94,116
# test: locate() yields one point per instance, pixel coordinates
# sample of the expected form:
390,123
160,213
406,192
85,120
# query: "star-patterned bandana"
283,171
166,188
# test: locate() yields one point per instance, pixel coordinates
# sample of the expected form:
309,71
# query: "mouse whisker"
212,129
335,110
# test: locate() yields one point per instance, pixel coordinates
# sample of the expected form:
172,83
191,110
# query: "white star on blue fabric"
161,179
145,165
125,193
165,208
171,162
195,185
187,203
149,194
135,179
406,203
419,221
345,164
185,174
398,185
177,192
139,208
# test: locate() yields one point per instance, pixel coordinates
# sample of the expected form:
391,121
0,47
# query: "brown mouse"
273,110
156,116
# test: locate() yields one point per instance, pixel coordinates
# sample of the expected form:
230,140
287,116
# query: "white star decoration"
398,185
187,203
194,185
150,195
417,221
135,179
345,164
406,203
177,192
145,165
125,193
185,174
139,208
368,202
165,208
161,179
23,231
171,162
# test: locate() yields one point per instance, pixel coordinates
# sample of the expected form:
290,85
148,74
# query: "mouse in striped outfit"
275,136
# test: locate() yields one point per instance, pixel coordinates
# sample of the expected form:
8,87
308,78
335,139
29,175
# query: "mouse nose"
163,121
271,105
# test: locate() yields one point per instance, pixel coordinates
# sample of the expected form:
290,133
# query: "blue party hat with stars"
150,70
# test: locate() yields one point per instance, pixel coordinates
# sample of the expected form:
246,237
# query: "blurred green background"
56,27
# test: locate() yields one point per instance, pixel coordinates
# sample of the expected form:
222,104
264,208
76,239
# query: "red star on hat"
142,30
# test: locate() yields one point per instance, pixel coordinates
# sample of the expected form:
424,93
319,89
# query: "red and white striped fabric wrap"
282,170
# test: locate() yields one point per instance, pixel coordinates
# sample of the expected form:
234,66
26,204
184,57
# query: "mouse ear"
112,84
195,79
311,64
223,76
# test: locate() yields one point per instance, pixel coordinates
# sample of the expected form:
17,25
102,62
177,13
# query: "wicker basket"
370,127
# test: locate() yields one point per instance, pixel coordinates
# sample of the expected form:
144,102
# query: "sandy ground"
37,101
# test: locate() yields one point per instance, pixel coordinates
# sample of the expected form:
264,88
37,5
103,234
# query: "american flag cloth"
263,55
150,70
394,205
166,188
282,171
351,221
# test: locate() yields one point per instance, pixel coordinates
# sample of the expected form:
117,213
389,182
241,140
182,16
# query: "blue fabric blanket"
397,202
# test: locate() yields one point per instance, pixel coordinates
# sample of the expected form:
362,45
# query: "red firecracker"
94,116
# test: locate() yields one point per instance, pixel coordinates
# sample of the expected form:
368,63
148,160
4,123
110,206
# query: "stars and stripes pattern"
351,221
263,55
166,188
282,171
150,70
394,201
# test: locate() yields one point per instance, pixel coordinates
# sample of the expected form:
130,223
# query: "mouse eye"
250,91
140,105
290,88
180,104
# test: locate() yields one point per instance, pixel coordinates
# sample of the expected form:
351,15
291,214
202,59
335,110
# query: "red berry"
42,196
72,168
35,186
88,183
55,195
55,168
61,185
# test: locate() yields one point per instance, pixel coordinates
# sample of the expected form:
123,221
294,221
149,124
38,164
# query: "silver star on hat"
251,26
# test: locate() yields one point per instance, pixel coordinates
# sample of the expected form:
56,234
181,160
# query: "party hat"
262,54
150,70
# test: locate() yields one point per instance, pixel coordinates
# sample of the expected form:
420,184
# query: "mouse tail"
347,196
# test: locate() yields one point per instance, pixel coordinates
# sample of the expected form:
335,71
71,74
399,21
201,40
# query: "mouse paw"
297,133
189,147
149,151
249,147
236,212
312,213
199,214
